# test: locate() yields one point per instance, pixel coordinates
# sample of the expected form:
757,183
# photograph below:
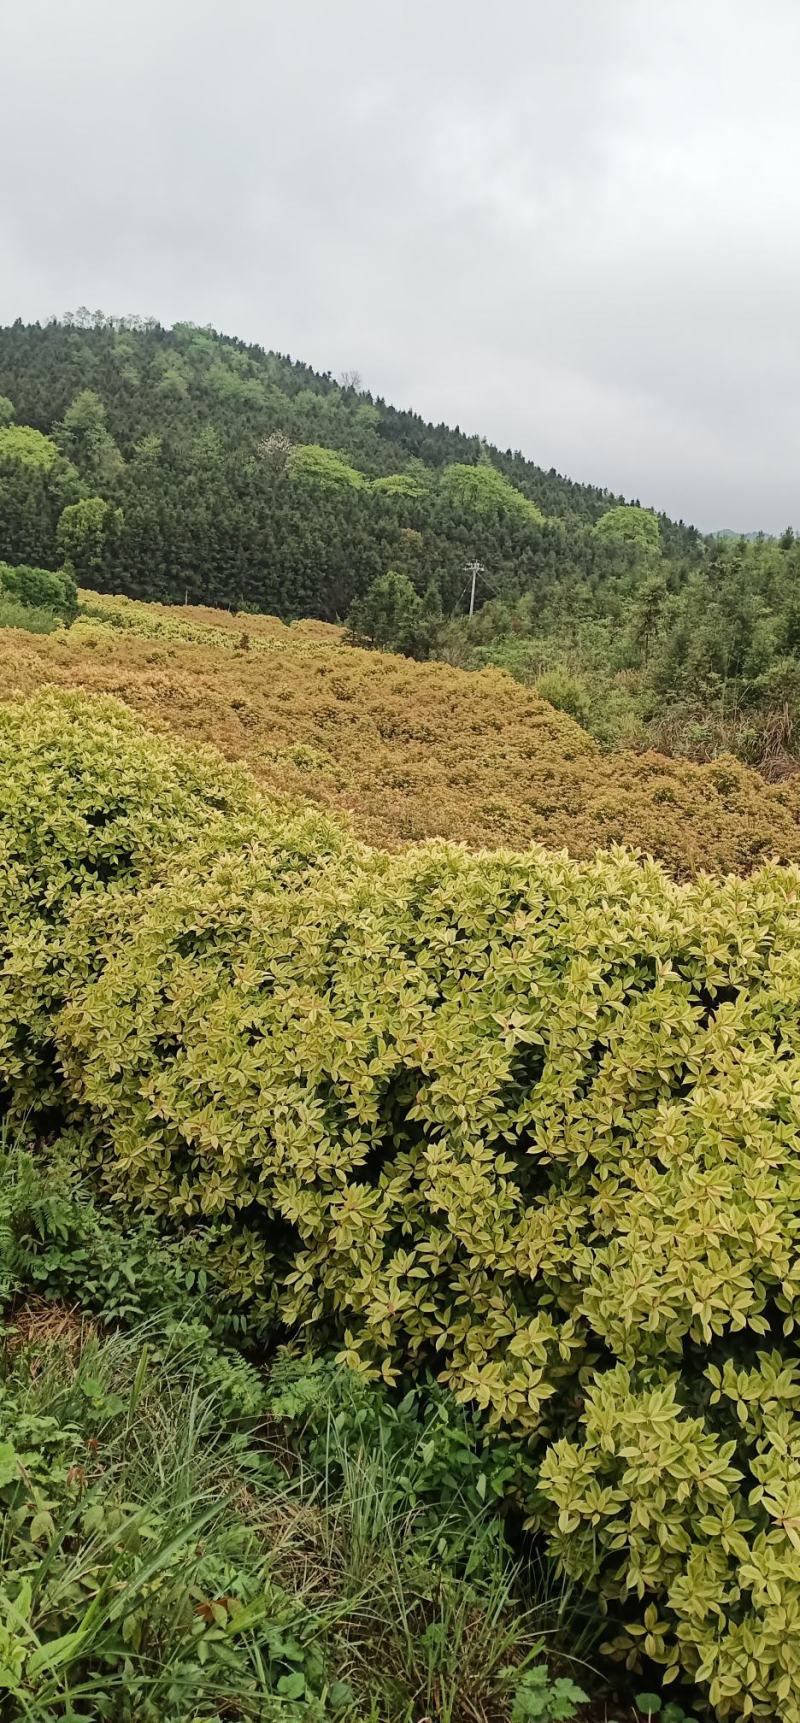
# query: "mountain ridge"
193,438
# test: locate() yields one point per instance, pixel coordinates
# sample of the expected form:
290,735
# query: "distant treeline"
194,467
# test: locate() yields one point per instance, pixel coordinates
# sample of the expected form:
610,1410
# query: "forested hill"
211,470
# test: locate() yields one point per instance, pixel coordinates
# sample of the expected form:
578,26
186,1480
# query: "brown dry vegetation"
408,750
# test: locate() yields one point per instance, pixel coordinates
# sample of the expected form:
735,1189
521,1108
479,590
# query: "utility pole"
474,568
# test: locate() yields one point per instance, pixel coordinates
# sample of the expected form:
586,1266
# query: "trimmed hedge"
531,1121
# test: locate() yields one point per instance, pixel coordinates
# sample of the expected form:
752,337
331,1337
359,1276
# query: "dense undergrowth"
187,1537
695,663
409,751
525,1125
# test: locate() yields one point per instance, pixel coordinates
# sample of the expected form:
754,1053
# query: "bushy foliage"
686,1491
60,1244
310,464
409,751
23,446
40,589
408,484
34,619
182,1538
391,616
483,491
84,533
83,808
84,437
636,527
527,1122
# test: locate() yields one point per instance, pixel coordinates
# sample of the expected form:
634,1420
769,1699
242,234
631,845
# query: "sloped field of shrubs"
408,751
526,1121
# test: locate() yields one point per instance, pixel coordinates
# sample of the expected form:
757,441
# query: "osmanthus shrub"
532,1122
89,804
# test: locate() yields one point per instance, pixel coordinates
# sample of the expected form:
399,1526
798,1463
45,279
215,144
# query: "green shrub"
451,1470
527,1122
564,691
32,618
687,1491
40,589
59,1243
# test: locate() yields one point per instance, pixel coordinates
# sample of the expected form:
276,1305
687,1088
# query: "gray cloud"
574,227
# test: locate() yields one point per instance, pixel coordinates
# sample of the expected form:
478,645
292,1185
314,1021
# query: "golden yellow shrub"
409,751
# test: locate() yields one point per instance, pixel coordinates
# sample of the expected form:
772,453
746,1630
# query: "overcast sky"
573,227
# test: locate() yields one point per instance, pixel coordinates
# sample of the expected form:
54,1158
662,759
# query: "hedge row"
531,1122
410,751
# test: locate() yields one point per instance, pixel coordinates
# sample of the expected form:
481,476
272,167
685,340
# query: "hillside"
217,472
177,464
408,751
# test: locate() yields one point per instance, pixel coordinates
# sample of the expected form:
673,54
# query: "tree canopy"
242,478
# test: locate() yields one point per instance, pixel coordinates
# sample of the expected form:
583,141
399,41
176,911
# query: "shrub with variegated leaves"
89,803
530,1122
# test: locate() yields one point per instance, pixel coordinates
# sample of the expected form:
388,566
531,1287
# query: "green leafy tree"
87,533
40,589
432,600
36,483
22,446
391,615
635,527
315,465
85,438
648,611
484,492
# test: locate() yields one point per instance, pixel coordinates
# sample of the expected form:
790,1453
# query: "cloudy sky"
573,226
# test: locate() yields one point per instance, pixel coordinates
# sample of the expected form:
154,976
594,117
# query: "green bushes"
40,589
32,618
529,1122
